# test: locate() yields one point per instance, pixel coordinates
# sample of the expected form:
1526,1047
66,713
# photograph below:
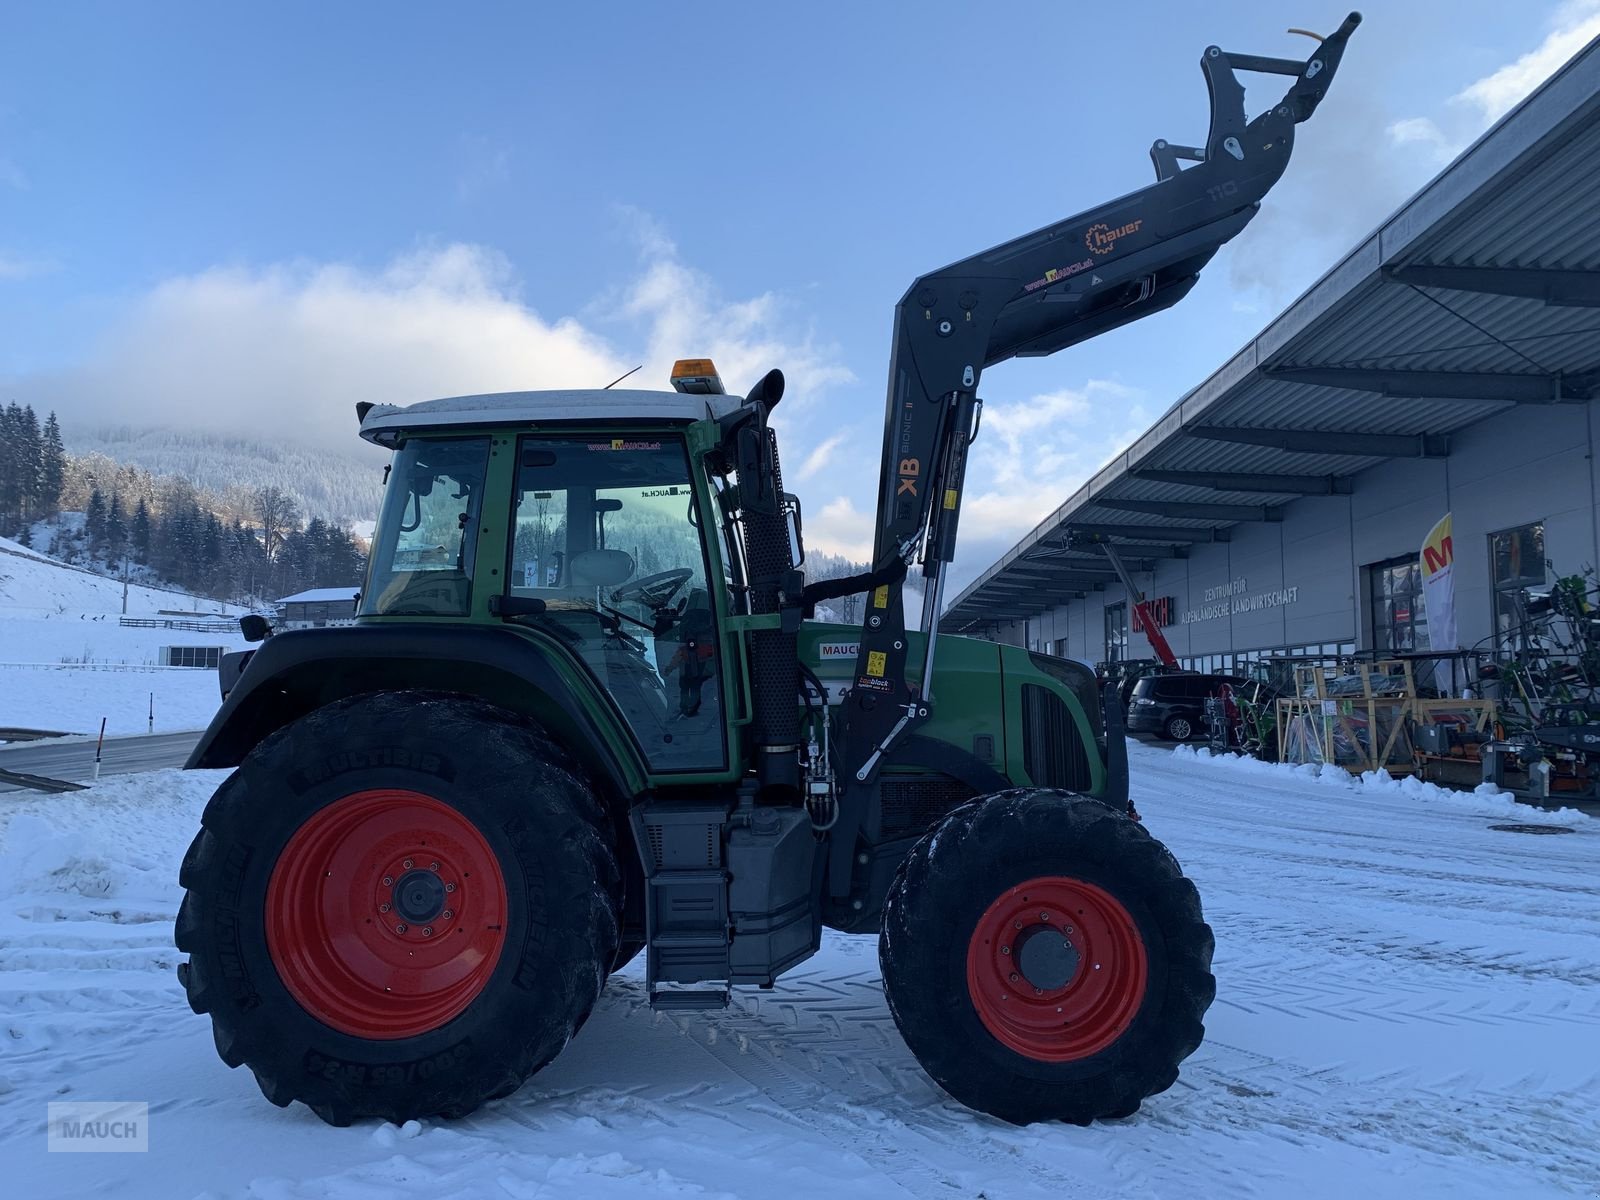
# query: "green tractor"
583,713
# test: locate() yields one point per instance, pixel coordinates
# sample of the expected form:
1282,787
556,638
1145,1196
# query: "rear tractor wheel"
399,906
1046,959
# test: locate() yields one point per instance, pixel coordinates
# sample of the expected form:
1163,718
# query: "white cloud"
288,349
1576,25
1480,104
839,527
687,316
13,267
1031,455
821,456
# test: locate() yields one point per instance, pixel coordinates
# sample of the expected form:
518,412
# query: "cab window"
422,551
608,533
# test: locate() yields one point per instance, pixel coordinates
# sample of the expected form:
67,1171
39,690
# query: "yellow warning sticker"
880,598
877,663
616,443
949,497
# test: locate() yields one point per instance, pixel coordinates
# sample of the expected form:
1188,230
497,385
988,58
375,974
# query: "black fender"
860,816
294,673
1116,749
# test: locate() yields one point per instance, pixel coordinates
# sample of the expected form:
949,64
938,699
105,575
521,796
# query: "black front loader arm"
1034,295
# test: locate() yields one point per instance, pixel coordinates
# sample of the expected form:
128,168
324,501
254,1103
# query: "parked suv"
1173,705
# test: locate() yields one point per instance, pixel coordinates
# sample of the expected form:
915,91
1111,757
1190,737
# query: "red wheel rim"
386,914
1056,969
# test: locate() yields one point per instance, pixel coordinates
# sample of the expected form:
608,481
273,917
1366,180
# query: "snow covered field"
1408,1005
71,699
66,660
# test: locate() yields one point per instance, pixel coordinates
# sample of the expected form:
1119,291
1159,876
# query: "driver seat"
590,569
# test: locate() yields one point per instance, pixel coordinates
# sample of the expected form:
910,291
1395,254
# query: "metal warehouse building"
1450,363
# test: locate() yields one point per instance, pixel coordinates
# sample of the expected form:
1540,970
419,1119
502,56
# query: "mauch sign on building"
1161,611
1235,596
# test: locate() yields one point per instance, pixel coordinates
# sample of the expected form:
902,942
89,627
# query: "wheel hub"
1046,958
386,914
419,895
1056,969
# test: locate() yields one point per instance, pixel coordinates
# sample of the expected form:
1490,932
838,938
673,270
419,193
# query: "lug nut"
1044,916
427,931
450,887
433,866
1038,991
400,928
384,907
1013,977
1005,949
388,881
1017,924
447,914
407,864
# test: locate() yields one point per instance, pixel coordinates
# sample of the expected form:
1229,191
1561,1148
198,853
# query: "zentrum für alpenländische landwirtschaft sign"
1234,596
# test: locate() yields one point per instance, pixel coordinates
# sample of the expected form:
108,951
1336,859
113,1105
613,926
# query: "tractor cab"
584,518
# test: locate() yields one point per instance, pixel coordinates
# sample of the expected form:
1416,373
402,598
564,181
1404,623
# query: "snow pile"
112,841
1485,800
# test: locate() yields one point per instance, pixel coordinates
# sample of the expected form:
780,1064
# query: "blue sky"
243,217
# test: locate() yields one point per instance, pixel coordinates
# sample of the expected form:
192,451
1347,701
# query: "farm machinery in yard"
582,715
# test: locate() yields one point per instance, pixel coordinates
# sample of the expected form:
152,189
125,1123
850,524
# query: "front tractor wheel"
1046,959
399,906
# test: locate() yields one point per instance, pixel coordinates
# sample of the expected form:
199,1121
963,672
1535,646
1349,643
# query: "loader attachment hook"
1230,131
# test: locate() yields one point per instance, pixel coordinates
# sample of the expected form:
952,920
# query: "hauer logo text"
1102,238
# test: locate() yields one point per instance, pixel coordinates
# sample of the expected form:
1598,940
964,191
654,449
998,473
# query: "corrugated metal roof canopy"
1481,292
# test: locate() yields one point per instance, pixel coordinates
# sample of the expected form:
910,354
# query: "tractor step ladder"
686,905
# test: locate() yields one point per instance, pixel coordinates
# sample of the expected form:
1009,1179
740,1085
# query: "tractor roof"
382,422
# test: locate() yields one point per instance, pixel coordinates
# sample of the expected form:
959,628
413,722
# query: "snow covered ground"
66,660
1408,1006
66,699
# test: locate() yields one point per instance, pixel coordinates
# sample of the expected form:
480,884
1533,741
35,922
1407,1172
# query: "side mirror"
797,545
255,627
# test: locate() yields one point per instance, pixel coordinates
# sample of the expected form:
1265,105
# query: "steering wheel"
655,591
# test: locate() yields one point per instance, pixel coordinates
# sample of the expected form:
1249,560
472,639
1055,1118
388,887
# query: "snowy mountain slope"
1406,1002
342,483
34,583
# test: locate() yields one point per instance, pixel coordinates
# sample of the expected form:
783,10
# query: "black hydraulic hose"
832,589
810,677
